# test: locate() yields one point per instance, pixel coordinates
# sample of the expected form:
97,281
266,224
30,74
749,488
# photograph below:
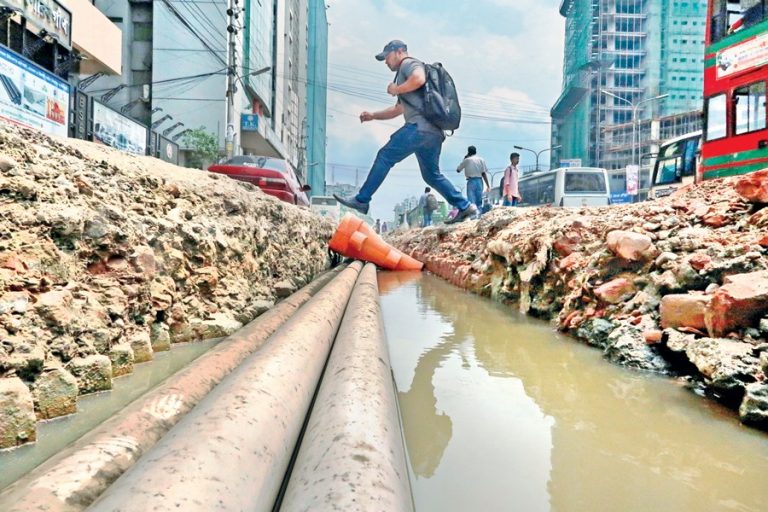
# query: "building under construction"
619,56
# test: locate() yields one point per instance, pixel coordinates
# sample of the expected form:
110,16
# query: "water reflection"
501,413
92,410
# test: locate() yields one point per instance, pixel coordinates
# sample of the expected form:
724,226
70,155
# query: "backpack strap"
404,99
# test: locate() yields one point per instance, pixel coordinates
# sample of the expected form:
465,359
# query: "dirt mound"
106,257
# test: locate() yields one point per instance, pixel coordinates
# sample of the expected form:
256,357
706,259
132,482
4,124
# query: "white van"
566,186
326,206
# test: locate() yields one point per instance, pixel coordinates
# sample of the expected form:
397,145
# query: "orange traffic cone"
355,239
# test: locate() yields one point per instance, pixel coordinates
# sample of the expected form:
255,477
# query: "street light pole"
538,154
521,148
637,121
634,106
229,139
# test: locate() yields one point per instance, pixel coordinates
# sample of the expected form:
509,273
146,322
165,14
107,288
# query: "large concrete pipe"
231,452
75,477
352,455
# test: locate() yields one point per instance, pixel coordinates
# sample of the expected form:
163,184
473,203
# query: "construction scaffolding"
619,56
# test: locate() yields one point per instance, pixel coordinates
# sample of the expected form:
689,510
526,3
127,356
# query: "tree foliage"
203,147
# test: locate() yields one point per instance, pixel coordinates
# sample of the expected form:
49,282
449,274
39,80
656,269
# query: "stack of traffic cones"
355,239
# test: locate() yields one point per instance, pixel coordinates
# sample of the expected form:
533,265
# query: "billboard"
116,130
633,179
572,162
31,96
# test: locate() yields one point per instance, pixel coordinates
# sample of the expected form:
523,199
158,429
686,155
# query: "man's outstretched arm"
382,115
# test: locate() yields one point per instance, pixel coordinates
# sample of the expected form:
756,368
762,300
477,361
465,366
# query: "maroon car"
274,176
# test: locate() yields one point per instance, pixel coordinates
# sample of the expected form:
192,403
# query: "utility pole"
232,13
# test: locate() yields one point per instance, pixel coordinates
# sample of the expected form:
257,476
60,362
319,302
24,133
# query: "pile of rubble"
106,258
678,285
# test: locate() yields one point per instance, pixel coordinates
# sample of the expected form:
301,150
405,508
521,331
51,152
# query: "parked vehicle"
566,186
676,165
274,176
326,206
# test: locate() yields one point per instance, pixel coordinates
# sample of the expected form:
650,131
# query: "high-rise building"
317,96
175,73
619,56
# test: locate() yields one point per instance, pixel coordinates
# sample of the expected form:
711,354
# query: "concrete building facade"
317,96
618,54
175,77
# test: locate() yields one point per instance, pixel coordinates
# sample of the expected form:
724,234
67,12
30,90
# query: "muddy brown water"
501,413
92,410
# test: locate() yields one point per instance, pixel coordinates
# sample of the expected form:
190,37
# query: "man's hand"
366,116
392,89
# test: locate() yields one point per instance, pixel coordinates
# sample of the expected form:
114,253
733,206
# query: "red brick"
684,310
739,303
754,187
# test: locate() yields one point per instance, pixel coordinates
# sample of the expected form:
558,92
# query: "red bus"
735,76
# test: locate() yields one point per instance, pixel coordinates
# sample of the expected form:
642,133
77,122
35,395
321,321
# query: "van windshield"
585,183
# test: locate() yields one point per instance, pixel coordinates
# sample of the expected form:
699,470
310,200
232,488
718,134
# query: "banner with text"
31,96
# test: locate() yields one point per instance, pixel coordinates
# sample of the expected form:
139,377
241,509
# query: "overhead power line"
194,32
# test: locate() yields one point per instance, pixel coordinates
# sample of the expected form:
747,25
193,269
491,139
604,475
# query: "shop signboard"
167,150
249,122
31,96
49,15
80,114
116,130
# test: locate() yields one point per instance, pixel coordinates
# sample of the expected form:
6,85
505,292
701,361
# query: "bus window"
749,106
528,191
584,183
546,188
730,16
716,123
668,171
689,157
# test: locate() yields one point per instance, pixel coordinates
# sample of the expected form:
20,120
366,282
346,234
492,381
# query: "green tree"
203,147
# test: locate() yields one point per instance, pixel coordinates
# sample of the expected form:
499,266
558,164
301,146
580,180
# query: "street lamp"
538,154
635,107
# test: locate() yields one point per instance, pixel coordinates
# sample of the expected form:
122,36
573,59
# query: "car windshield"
585,182
262,162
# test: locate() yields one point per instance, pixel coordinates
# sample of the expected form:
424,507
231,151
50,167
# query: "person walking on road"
418,135
510,192
476,173
427,204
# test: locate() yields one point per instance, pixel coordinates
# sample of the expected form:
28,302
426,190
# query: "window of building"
749,108
142,31
716,127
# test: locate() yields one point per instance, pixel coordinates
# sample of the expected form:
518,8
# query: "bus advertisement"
735,137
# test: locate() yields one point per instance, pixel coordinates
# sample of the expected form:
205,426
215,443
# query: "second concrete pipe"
232,451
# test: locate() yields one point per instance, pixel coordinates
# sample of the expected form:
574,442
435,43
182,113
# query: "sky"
505,56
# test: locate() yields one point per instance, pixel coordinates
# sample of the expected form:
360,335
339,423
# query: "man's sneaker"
353,203
464,214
